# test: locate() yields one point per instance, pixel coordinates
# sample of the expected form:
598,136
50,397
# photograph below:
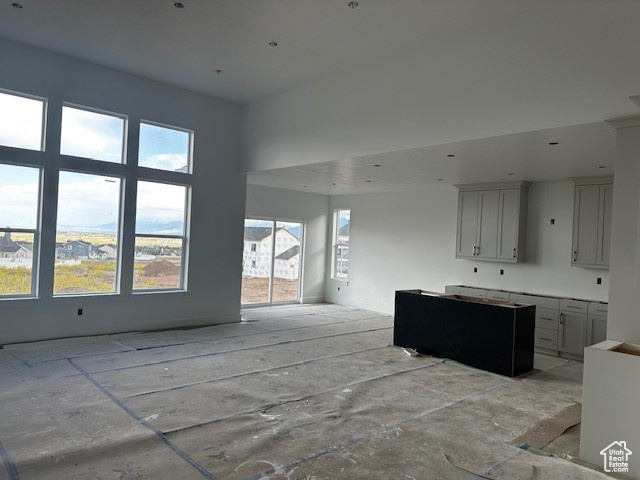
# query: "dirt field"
256,290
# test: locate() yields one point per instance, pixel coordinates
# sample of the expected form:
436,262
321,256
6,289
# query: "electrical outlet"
553,221
79,311
338,288
599,281
501,271
475,269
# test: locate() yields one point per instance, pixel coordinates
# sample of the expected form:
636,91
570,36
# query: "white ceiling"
581,151
186,46
464,68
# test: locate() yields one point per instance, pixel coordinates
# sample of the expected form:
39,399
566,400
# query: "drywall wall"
218,200
313,211
623,323
407,240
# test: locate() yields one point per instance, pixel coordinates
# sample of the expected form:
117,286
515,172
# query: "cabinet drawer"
574,306
547,318
539,302
545,338
452,290
473,292
498,295
598,308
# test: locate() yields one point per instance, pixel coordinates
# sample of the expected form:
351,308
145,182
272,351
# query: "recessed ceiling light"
218,71
368,181
439,179
602,166
333,184
352,4
178,5
305,186
554,143
376,165
273,44
450,155
511,173
16,5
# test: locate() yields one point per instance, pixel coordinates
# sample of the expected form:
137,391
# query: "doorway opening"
271,261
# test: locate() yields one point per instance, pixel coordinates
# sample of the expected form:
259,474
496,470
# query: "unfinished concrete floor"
304,392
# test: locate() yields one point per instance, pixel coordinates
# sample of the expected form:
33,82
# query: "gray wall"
217,207
407,240
266,202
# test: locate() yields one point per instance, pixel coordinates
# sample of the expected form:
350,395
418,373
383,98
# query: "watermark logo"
616,457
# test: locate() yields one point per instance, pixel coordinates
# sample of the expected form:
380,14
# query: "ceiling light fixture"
602,166
368,181
511,174
439,179
450,155
273,44
178,5
305,186
554,143
376,165
352,4
218,71
333,184
16,5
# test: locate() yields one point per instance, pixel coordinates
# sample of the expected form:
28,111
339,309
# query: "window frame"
185,237
35,259
43,130
125,129
170,127
335,245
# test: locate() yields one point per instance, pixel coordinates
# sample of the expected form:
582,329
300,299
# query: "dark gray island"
491,335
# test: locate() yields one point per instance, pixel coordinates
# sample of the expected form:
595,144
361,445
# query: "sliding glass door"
271,261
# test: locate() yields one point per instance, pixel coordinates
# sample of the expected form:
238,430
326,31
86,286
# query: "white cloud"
20,122
91,135
19,205
157,201
165,161
87,200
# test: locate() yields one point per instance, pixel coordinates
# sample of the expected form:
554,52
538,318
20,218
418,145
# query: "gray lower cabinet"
572,333
596,329
563,326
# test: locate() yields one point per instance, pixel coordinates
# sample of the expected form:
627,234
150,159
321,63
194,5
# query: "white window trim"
334,246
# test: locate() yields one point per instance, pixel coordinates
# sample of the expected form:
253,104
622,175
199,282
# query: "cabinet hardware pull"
514,253
546,318
575,255
547,339
562,319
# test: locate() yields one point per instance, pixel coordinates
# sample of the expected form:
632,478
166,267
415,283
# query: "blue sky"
87,200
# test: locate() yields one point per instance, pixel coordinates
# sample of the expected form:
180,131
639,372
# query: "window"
22,121
165,148
87,234
91,171
160,236
89,134
340,243
254,247
19,235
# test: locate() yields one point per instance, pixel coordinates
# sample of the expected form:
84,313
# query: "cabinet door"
488,224
604,224
585,225
572,334
596,329
467,224
508,224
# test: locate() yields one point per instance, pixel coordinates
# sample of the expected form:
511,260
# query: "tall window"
160,236
340,247
19,232
90,172
87,234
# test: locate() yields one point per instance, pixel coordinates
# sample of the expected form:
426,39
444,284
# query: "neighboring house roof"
287,254
7,245
256,234
344,230
26,245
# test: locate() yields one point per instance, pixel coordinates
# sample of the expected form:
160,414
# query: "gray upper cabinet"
492,221
592,210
